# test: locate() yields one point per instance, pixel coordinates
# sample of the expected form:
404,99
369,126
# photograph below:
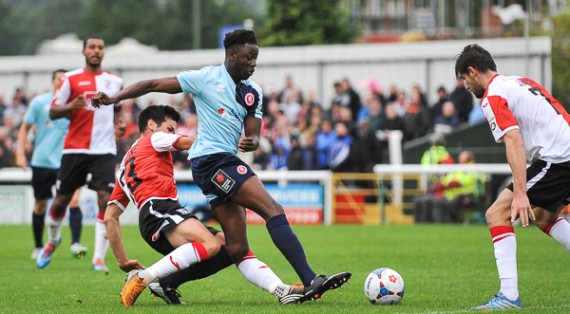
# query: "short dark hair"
239,37
158,113
90,37
57,71
474,56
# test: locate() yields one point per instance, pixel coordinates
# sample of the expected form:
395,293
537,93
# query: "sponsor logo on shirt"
223,181
84,83
222,112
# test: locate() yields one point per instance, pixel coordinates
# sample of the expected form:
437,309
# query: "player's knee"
212,246
495,216
237,251
274,210
220,237
58,208
40,207
488,216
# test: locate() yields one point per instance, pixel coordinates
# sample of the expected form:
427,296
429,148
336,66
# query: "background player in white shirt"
535,128
89,146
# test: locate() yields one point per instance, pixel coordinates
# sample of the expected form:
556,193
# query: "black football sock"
38,222
75,224
289,245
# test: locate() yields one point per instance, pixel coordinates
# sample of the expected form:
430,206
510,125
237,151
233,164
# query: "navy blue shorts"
220,176
43,179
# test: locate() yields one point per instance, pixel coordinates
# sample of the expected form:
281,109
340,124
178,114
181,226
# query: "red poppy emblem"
221,110
249,99
220,178
242,169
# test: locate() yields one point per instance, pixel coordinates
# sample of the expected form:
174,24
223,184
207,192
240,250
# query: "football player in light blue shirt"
229,113
46,160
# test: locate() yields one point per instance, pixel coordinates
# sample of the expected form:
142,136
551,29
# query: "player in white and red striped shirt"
535,128
147,179
89,146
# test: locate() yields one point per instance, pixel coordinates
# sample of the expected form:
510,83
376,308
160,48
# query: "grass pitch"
446,269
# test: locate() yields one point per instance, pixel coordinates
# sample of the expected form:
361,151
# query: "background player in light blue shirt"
229,113
45,162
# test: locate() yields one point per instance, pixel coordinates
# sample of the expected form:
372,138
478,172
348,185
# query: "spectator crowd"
299,132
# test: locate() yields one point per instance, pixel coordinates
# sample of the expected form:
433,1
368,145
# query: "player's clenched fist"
100,99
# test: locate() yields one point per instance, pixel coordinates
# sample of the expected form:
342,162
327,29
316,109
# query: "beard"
93,64
479,93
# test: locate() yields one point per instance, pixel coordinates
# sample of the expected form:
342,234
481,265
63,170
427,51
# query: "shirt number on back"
133,175
537,91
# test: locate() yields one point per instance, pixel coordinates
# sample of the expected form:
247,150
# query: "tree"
300,22
114,20
6,33
166,24
25,27
24,24
561,59
177,27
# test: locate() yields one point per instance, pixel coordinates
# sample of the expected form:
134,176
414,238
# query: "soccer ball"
384,286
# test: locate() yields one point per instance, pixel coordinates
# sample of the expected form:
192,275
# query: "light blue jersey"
49,135
220,116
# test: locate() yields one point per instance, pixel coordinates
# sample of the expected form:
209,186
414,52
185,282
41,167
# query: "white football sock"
560,231
258,273
101,241
506,258
181,258
54,230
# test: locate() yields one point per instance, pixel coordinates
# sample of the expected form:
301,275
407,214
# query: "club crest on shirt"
220,88
249,99
241,169
223,181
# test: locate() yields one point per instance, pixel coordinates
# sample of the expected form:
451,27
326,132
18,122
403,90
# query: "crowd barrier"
308,197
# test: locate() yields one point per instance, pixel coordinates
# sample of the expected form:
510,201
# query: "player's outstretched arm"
113,227
185,142
168,85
